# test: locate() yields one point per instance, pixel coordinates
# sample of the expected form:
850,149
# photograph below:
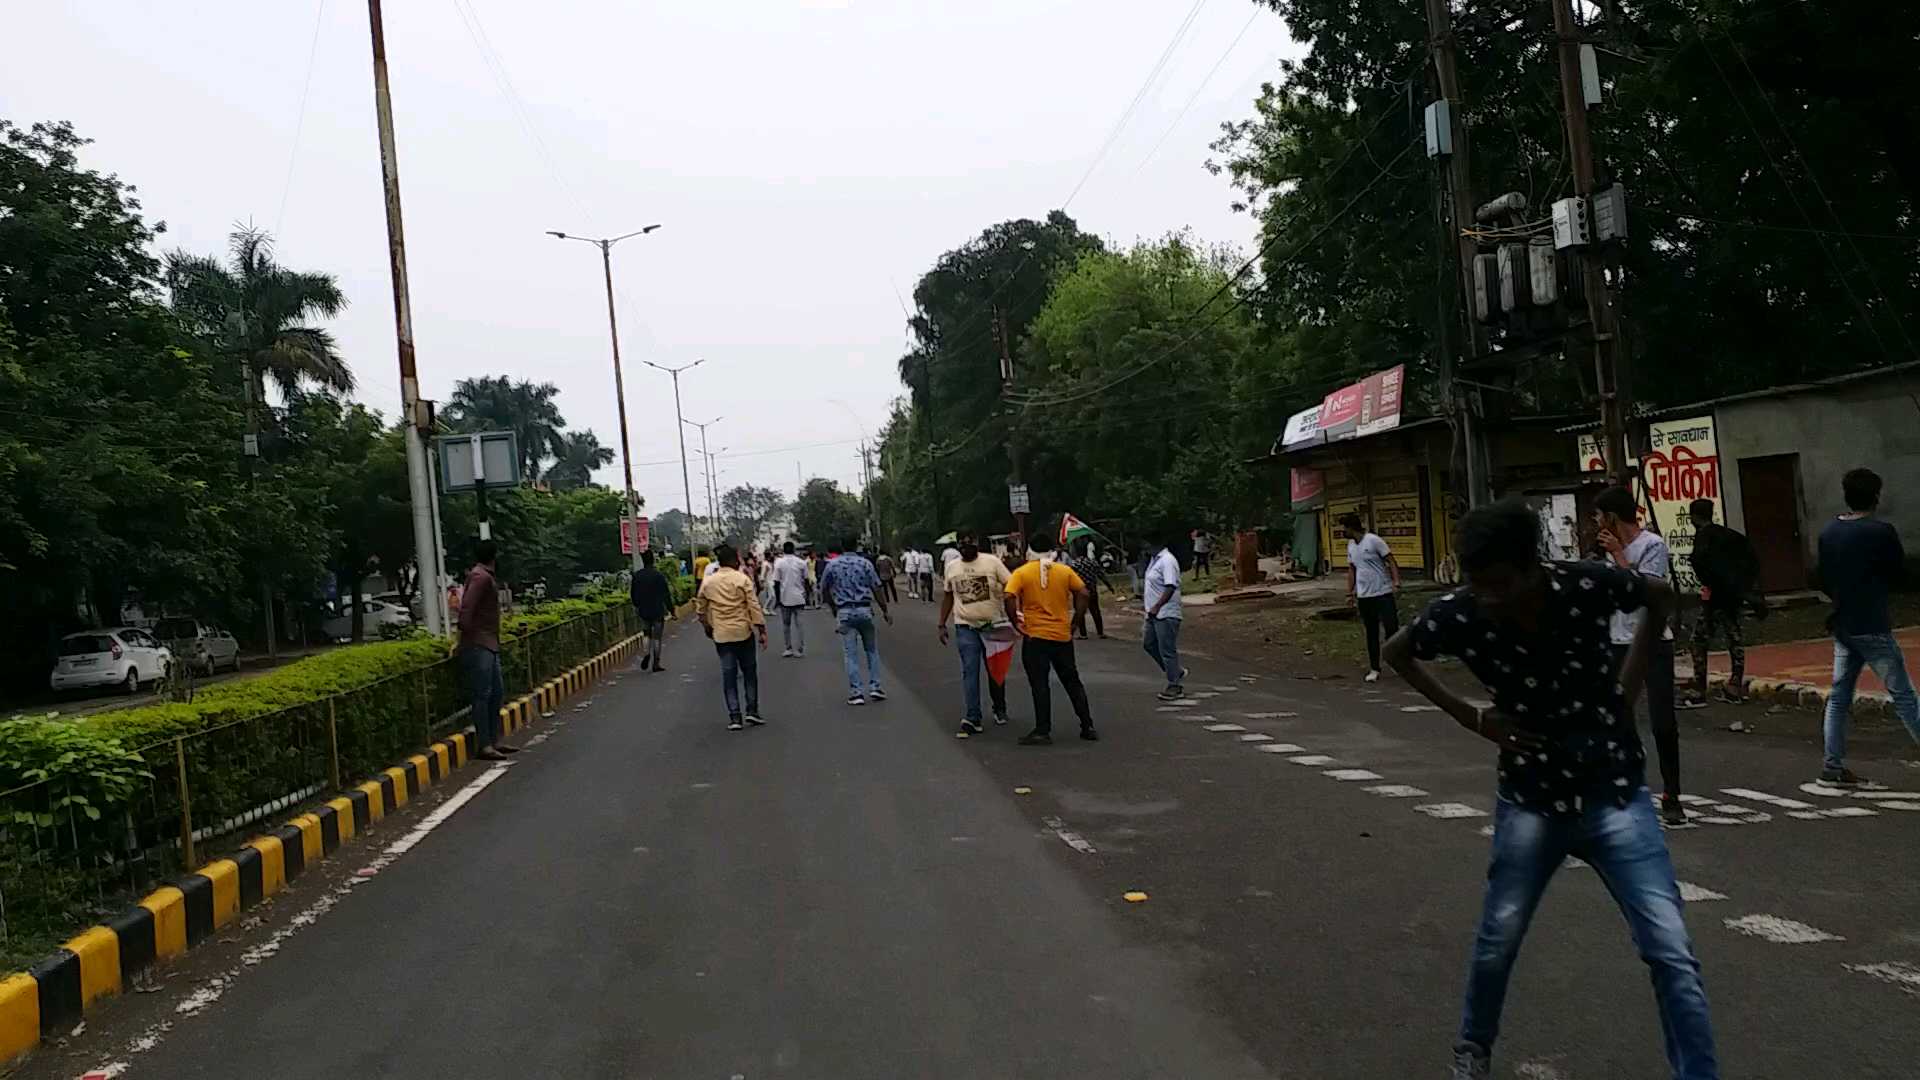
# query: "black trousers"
1093,609
1039,655
1379,613
1660,715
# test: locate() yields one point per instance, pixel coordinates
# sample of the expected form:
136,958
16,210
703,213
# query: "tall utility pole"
619,383
1600,315
1007,418
713,524
1460,188
419,490
933,460
680,425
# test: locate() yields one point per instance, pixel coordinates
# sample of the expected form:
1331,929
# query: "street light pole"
713,523
680,425
426,557
619,382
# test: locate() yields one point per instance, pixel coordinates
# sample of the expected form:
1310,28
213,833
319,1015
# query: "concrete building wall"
1873,422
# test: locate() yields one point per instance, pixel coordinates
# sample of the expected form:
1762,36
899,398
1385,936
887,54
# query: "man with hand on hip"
1162,634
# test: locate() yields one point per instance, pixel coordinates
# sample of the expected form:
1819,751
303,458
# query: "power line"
1146,84
1692,215
1195,96
300,120
490,58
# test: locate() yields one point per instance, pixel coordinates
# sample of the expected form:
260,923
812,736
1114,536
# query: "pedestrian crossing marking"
1396,791
1448,810
1312,759
1350,775
1762,797
1269,715
1225,727
1780,931
1283,748
1255,736
1898,804
1419,708
1695,894
1205,693
1906,976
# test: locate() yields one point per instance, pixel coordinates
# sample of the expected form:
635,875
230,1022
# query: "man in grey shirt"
1631,547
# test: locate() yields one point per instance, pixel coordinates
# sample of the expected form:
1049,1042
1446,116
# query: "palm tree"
580,455
497,403
260,313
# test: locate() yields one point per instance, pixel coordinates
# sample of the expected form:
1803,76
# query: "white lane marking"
1780,931
1881,793
1225,727
1538,1070
1694,800
1696,894
1249,678
1899,804
1073,839
1269,715
1847,811
1486,830
1903,975
1349,775
1185,701
1762,797
1256,736
1715,819
1205,693
1419,708
1806,815
441,813
1395,791
1449,810
1201,717
1223,688
1284,748
1171,708
1312,759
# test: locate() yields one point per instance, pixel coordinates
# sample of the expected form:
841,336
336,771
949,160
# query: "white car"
374,615
206,647
122,656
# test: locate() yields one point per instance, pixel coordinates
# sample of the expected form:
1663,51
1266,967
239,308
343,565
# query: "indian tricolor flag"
1072,528
1000,642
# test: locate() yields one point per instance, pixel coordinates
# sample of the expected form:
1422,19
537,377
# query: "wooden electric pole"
1007,412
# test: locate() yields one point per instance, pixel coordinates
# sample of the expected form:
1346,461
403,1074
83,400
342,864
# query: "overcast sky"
805,157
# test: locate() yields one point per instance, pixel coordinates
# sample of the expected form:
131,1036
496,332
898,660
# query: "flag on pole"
1072,528
1000,642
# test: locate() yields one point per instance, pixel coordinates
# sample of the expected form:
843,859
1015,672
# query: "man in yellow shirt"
1042,596
728,606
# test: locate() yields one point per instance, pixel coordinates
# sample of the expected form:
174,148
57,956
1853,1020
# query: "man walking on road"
972,596
1727,568
1041,599
1571,769
652,602
790,593
729,610
851,589
478,645
1631,547
1161,635
1202,552
1092,577
1861,559
1373,577
883,566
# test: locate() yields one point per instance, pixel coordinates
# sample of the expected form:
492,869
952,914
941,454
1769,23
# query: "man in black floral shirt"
1571,766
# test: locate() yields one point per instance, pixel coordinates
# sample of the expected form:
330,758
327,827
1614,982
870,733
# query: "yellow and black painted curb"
55,994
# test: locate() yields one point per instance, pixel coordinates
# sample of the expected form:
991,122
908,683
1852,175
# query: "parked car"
412,605
375,614
207,648
122,656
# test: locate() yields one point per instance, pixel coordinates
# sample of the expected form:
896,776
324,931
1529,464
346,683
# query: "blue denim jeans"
1627,850
793,630
857,633
1161,639
739,658
972,647
1881,652
486,691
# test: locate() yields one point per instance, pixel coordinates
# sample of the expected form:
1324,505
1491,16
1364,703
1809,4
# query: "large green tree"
580,454
261,314
826,514
745,508
530,410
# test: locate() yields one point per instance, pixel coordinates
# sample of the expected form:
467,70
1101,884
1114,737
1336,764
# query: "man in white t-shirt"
1372,579
1631,547
790,593
1161,639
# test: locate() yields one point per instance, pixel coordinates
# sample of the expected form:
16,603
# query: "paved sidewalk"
1803,663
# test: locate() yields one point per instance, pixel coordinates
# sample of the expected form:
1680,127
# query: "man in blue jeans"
1161,634
973,596
478,645
1861,559
1571,769
851,589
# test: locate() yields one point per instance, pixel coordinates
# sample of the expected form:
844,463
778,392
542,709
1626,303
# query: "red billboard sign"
634,535
1367,407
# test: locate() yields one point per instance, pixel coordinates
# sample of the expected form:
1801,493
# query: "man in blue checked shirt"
852,589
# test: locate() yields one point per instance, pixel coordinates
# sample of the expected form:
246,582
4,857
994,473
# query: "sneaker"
786,654
1843,777
877,694
657,666
856,699
1373,676
754,719
1090,735
1691,701
1471,1063
1000,719
1672,811
1184,672
735,725
1733,697
971,727
1036,738
800,652
1169,694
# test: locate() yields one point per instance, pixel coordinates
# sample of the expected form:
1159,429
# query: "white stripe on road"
1780,931
1903,796
1225,727
1269,715
1903,975
440,814
1419,708
1256,736
1697,894
1898,804
1073,839
1762,797
1395,791
1446,810
1284,748
1312,759
1349,775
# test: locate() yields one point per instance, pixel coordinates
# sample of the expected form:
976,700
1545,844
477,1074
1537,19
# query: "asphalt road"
856,893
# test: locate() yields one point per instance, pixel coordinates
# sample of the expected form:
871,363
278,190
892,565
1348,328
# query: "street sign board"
1017,500
634,535
487,458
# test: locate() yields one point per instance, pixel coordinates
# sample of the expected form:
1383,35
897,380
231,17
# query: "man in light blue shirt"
1162,635
851,588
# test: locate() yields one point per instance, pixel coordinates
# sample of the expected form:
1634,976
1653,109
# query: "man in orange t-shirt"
1042,597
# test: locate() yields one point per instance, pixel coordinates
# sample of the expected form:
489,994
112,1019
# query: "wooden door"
1770,494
